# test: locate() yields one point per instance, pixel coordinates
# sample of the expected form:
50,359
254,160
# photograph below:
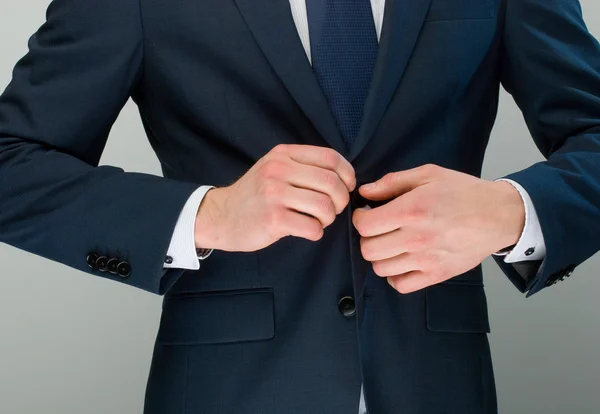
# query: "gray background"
76,344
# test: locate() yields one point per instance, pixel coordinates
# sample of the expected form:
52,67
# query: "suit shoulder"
94,16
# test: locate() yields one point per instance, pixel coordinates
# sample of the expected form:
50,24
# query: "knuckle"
379,269
326,207
395,283
330,179
280,148
273,168
401,286
323,202
359,225
430,168
315,232
415,212
330,158
345,198
389,179
366,249
330,218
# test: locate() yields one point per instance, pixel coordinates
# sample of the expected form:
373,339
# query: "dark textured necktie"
343,45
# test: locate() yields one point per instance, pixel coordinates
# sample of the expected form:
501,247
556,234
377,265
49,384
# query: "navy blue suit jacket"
218,84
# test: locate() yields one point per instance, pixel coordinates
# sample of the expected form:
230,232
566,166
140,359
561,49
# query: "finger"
378,221
394,243
410,282
325,158
396,265
321,180
395,184
300,225
384,246
313,203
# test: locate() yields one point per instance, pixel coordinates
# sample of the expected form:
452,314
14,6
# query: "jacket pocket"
461,9
193,318
457,308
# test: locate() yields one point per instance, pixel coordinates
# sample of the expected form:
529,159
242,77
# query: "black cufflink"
506,249
203,253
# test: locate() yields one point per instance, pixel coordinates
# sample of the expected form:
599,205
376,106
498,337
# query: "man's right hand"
294,190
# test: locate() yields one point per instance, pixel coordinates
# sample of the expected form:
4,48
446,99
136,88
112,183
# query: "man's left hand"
439,224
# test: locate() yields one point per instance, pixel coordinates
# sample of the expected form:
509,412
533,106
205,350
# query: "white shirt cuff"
531,245
182,250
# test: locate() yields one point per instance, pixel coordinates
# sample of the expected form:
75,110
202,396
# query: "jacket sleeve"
550,64
81,67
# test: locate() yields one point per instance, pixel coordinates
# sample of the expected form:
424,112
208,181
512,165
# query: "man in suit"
321,160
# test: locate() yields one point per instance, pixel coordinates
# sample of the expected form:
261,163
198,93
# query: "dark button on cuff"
124,269
101,263
346,306
91,260
112,264
569,270
168,260
529,251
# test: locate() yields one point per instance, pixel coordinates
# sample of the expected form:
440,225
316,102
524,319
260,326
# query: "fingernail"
370,186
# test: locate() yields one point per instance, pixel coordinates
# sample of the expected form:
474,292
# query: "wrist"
206,226
510,213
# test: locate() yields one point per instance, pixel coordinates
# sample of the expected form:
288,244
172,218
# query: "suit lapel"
402,24
272,25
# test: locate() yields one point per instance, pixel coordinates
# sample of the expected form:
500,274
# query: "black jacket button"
112,264
124,269
91,260
346,306
101,263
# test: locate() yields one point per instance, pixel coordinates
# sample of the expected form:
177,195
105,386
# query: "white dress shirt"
182,249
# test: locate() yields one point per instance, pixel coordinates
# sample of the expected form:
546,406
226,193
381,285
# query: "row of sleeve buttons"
560,275
112,265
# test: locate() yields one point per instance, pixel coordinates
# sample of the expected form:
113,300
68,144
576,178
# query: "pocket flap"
217,317
457,308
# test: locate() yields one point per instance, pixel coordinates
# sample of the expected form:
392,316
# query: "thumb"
395,184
